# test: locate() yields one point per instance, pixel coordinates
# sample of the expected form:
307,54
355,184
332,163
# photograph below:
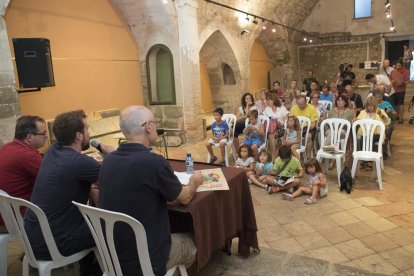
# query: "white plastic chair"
231,122
262,120
303,122
5,238
13,206
103,234
335,127
326,104
368,127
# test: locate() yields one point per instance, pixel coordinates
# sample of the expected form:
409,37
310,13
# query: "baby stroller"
411,110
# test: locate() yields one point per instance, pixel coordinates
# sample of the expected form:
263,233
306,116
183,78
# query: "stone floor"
364,233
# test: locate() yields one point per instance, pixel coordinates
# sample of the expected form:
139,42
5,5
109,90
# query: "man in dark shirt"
65,175
347,76
307,81
356,99
20,159
139,183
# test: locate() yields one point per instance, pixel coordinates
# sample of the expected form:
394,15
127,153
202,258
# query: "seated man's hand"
196,179
106,148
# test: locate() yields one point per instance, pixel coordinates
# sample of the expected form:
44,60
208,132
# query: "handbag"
280,131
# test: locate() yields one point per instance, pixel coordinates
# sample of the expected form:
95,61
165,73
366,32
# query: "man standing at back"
139,183
399,80
66,175
20,159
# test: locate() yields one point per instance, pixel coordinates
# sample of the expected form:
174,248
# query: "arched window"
228,75
160,74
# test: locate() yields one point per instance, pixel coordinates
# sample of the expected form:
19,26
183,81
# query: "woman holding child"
277,114
247,104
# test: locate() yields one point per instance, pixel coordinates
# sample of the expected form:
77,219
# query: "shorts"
398,98
251,141
311,131
211,141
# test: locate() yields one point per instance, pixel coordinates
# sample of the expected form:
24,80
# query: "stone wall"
325,57
9,104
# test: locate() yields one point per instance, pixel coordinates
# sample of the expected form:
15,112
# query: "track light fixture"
255,21
264,27
247,18
387,4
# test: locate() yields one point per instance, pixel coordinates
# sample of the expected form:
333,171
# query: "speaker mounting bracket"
29,90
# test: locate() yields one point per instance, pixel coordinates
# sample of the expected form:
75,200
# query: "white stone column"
190,68
9,104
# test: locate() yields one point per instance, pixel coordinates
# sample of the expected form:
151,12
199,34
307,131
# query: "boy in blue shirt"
220,134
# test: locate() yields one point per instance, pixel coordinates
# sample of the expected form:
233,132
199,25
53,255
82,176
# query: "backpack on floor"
346,180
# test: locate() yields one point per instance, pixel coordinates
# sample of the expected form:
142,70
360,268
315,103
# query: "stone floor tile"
379,242
359,229
302,265
264,221
354,249
328,253
320,222
399,257
273,233
404,221
336,235
393,209
363,213
375,263
400,236
409,272
298,228
312,241
348,204
289,245
368,201
381,224
343,217
287,218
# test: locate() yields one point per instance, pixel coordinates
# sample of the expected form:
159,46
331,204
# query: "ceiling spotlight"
255,21
273,30
388,15
304,39
392,28
244,31
247,18
264,27
165,1
310,40
387,4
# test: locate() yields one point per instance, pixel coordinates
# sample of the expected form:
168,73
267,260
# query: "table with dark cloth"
217,217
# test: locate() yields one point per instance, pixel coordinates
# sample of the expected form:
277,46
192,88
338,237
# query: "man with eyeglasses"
139,183
20,159
65,175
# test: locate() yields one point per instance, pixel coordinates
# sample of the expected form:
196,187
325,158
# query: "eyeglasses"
39,134
156,122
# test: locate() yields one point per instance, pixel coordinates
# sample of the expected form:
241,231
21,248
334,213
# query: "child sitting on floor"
316,184
286,167
245,160
263,167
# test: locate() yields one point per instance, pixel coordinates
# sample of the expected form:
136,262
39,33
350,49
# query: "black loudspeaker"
34,62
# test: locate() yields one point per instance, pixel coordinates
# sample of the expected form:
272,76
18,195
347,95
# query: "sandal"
310,200
286,196
213,159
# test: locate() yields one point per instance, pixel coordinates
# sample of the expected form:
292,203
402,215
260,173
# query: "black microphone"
96,145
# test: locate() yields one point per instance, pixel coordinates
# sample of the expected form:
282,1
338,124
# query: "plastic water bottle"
189,164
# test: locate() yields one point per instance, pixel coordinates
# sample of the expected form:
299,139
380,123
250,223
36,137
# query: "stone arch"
216,51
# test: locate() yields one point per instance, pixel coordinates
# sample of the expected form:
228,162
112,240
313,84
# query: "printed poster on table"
213,180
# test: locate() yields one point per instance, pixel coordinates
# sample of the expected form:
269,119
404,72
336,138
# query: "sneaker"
286,196
223,163
249,181
266,187
213,159
291,190
273,190
310,200
269,189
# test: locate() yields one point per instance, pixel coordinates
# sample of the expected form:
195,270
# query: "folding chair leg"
25,266
379,173
354,167
226,156
338,170
3,258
